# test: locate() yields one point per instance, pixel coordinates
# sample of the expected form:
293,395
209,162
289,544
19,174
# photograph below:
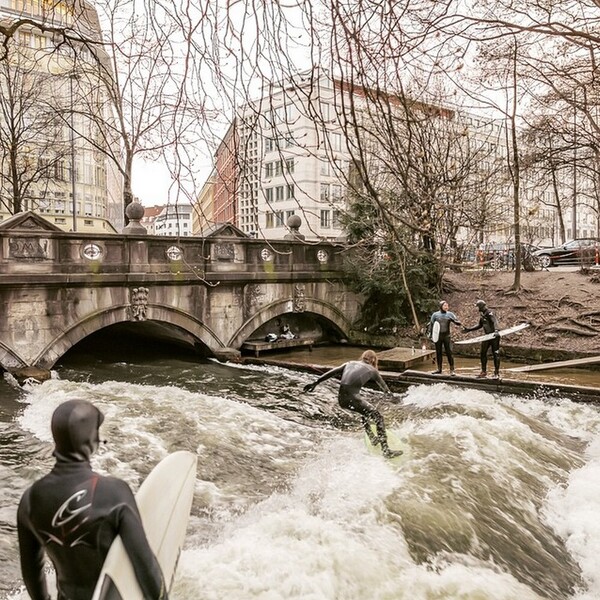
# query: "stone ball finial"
135,211
293,223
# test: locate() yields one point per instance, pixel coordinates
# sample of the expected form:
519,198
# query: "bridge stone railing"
29,253
58,287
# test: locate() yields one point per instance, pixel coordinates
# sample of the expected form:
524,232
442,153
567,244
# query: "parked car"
583,251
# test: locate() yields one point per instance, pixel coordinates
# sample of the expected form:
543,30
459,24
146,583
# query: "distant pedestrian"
443,344
489,323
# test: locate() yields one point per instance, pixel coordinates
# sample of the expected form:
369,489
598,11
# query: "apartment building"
151,213
278,160
174,220
58,169
286,153
203,213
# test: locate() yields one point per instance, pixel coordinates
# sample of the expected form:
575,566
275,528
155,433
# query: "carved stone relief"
138,303
299,297
30,248
224,252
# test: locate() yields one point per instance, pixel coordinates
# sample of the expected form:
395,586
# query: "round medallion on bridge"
92,252
322,256
266,254
174,253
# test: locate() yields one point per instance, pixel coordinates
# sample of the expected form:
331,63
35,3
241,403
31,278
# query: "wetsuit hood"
481,305
75,428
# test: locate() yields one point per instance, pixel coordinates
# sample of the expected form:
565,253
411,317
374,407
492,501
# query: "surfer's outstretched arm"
309,387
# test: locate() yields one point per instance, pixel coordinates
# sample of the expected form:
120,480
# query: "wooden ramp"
576,362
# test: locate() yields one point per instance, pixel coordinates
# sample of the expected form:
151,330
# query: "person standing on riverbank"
443,344
73,515
489,323
355,374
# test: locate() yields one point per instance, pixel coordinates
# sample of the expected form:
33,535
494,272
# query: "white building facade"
62,172
291,154
174,220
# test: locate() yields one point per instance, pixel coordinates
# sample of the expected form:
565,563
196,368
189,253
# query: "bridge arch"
169,315
9,359
279,308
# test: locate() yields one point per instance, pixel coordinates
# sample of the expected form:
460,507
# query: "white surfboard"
435,332
164,501
489,336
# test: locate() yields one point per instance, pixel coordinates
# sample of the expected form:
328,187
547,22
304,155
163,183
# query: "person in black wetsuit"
354,374
444,317
73,514
489,323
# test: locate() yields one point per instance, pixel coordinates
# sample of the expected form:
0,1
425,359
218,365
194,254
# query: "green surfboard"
395,442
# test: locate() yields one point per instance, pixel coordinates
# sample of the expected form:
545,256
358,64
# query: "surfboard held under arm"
490,336
164,501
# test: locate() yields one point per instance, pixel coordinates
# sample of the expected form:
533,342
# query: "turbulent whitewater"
499,500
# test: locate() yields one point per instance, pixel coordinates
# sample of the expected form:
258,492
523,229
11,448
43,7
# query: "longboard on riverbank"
490,336
164,501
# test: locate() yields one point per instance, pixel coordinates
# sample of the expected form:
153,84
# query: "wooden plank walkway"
279,344
398,359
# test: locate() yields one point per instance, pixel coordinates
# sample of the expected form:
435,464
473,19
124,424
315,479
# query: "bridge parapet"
36,251
57,288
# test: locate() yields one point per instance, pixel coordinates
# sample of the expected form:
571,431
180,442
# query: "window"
291,193
278,218
324,168
336,191
289,213
336,224
269,194
325,219
335,140
278,169
326,111
269,170
290,112
289,165
279,193
269,220
324,194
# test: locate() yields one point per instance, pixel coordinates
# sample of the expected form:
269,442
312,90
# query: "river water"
499,499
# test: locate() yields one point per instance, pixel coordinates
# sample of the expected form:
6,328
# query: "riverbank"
561,306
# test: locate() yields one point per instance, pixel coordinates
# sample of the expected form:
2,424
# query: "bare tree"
33,145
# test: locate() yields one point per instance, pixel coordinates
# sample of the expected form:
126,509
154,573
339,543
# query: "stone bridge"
214,293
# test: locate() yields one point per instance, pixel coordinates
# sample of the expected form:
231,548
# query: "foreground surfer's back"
73,515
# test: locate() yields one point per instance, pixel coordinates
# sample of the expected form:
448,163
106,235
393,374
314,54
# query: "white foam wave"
572,510
331,536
